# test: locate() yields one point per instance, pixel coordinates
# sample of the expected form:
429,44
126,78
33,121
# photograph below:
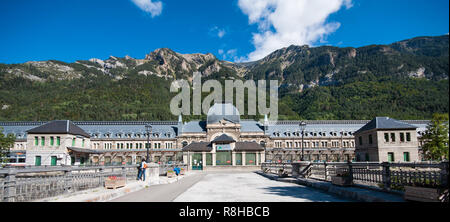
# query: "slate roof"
198,147
169,129
220,111
59,127
385,123
224,138
194,127
248,146
83,150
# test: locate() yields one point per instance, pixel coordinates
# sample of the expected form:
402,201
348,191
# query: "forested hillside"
404,80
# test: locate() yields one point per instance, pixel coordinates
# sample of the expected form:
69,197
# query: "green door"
390,157
238,158
250,159
37,161
53,161
196,162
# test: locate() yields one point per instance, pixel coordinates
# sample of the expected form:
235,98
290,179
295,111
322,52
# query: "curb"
354,193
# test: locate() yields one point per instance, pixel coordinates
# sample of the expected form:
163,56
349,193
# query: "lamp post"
148,129
302,126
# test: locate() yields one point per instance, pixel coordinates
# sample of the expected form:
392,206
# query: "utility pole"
148,129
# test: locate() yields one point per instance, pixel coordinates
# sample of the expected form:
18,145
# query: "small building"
386,139
50,144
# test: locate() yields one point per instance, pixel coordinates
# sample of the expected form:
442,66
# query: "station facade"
222,140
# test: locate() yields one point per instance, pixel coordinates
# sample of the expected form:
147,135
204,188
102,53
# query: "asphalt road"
229,187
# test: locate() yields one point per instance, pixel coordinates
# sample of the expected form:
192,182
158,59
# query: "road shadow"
304,193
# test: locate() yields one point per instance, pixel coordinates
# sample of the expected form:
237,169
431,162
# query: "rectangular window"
367,157
386,137
209,159
223,158
42,141
370,139
58,141
73,142
36,140
402,137
360,141
408,137
406,156
393,137
82,143
250,159
52,141
391,157
238,160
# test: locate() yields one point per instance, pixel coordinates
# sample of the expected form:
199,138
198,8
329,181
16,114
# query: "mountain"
405,79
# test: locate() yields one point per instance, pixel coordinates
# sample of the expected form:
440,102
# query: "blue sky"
70,30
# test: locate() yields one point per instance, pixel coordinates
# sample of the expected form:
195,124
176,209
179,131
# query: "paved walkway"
229,187
162,192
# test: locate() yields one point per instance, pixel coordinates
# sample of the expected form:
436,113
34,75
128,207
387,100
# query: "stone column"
214,159
152,173
68,180
233,158
10,186
243,158
257,158
203,159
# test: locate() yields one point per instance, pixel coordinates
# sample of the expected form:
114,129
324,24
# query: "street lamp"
302,126
148,129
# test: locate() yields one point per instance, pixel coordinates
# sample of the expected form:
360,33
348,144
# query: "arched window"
262,143
184,143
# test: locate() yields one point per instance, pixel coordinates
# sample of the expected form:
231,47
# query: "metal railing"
163,168
33,183
388,176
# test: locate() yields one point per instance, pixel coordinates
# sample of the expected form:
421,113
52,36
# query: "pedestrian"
142,168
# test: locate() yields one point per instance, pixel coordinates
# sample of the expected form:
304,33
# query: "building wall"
45,150
398,147
381,146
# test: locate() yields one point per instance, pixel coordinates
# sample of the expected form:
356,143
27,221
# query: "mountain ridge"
405,80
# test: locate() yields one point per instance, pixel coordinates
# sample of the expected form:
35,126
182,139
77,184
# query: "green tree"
436,138
5,144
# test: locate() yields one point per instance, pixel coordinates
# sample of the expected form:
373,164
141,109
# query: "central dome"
223,111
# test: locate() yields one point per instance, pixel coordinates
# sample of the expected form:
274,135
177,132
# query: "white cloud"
289,22
216,31
154,8
231,55
221,33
